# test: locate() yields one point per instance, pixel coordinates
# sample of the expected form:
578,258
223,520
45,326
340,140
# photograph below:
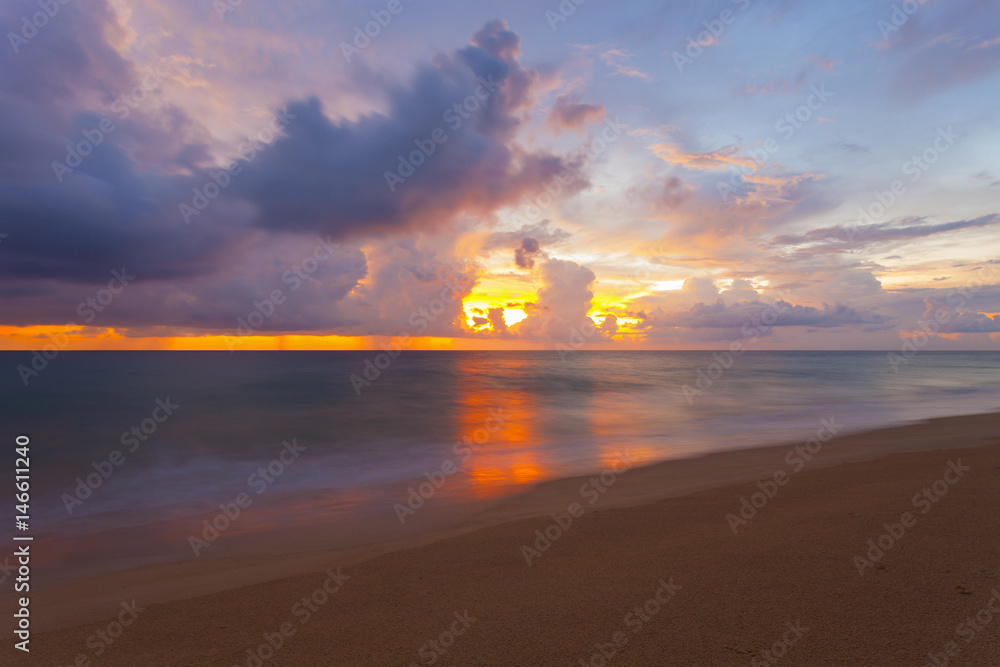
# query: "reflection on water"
365,453
507,458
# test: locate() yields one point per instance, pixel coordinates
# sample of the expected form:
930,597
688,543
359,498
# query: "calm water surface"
362,452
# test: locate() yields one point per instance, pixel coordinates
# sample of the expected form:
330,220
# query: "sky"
241,174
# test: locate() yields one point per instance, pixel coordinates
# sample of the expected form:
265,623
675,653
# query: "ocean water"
522,417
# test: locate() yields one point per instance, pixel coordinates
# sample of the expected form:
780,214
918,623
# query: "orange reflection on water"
610,417
509,457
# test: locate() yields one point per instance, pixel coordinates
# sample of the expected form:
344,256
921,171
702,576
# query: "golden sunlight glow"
509,291
513,315
890,281
164,338
479,309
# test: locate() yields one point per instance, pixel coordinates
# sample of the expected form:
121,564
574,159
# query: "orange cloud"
720,159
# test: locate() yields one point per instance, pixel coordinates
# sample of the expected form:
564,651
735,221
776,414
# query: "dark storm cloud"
524,256
120,206
331,177
64,58
106,213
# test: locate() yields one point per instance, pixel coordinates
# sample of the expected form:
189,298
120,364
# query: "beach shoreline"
65,611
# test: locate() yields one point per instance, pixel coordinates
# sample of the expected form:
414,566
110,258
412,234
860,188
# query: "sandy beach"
878,548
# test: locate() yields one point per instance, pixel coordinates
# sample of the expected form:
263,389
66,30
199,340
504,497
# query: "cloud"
674,193
498,326
319,176
524,256
615,58
107,213
564,299
967,322
568,114
447,224
723,158
712,223
542,232
840,238
330,177
766,190
719,315
68,60
310,300
415,285
609,326
700,289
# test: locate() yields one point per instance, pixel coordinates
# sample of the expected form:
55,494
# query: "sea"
155,457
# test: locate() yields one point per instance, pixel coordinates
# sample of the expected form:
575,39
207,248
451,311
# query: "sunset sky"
250,174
